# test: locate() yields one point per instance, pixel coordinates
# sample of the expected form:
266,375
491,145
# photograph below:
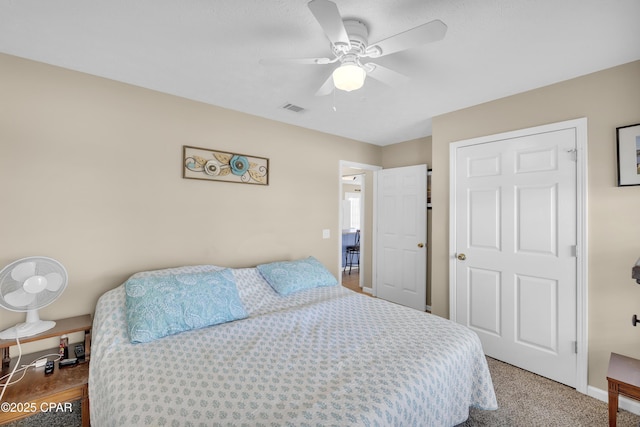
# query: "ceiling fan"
351,49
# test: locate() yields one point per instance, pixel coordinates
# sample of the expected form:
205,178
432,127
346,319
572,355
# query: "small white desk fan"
27,285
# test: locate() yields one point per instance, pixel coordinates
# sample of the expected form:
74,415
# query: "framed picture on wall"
628,144
213,165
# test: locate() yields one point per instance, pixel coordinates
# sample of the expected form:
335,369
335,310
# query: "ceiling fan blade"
19,298
385,75
23,271
422,34
328,16
301,61
327,87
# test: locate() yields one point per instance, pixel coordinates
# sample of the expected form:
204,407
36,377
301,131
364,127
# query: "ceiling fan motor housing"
358,37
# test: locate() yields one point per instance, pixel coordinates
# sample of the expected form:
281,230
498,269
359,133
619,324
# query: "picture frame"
628,150
214,165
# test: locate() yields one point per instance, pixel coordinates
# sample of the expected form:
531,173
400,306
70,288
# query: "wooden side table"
35,392
623,377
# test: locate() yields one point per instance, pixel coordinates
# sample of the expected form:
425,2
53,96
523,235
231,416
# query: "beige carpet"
526,399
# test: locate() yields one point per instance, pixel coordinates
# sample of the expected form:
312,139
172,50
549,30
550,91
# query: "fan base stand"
27,329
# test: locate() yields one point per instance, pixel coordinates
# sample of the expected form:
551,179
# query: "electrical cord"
23,368
5,385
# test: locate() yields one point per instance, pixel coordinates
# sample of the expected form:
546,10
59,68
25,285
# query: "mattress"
322,356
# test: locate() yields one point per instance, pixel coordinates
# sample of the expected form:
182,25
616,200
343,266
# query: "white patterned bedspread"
324,356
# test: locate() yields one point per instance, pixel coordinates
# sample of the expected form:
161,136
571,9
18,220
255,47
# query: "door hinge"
575,347
574,251
574,154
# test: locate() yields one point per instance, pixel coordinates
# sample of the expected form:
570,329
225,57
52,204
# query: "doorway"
352,219
356,212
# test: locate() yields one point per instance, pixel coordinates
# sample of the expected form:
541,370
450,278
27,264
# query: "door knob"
421,245
462,257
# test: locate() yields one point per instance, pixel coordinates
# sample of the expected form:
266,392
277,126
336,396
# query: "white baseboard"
625,403
367,290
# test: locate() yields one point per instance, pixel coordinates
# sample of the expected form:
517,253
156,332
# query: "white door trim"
580,126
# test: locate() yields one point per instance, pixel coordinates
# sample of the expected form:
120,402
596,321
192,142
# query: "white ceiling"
208,50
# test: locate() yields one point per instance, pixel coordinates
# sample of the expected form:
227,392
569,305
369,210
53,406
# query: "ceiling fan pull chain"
334,100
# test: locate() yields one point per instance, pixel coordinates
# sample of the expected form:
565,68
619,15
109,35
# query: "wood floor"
352,281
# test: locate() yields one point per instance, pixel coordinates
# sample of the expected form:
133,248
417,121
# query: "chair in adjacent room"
353,252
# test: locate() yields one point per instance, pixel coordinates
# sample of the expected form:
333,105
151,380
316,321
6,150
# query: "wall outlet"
326,233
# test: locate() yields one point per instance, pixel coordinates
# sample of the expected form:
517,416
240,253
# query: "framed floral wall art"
628,155
203,163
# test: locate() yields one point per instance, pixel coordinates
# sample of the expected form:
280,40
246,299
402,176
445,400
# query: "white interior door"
515,249
401,255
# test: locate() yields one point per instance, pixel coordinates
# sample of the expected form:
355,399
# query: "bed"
323,355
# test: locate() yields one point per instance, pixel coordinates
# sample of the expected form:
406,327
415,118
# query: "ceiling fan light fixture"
349,77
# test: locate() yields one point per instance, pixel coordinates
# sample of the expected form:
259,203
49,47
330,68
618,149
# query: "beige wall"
409,153
609,99
90,174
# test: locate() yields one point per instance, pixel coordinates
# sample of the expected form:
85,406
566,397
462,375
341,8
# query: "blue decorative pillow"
287,277
158,306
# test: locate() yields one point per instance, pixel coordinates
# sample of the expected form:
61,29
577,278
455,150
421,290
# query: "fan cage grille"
43,266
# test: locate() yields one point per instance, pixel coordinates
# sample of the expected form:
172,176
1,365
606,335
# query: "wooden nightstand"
623,377
37,392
